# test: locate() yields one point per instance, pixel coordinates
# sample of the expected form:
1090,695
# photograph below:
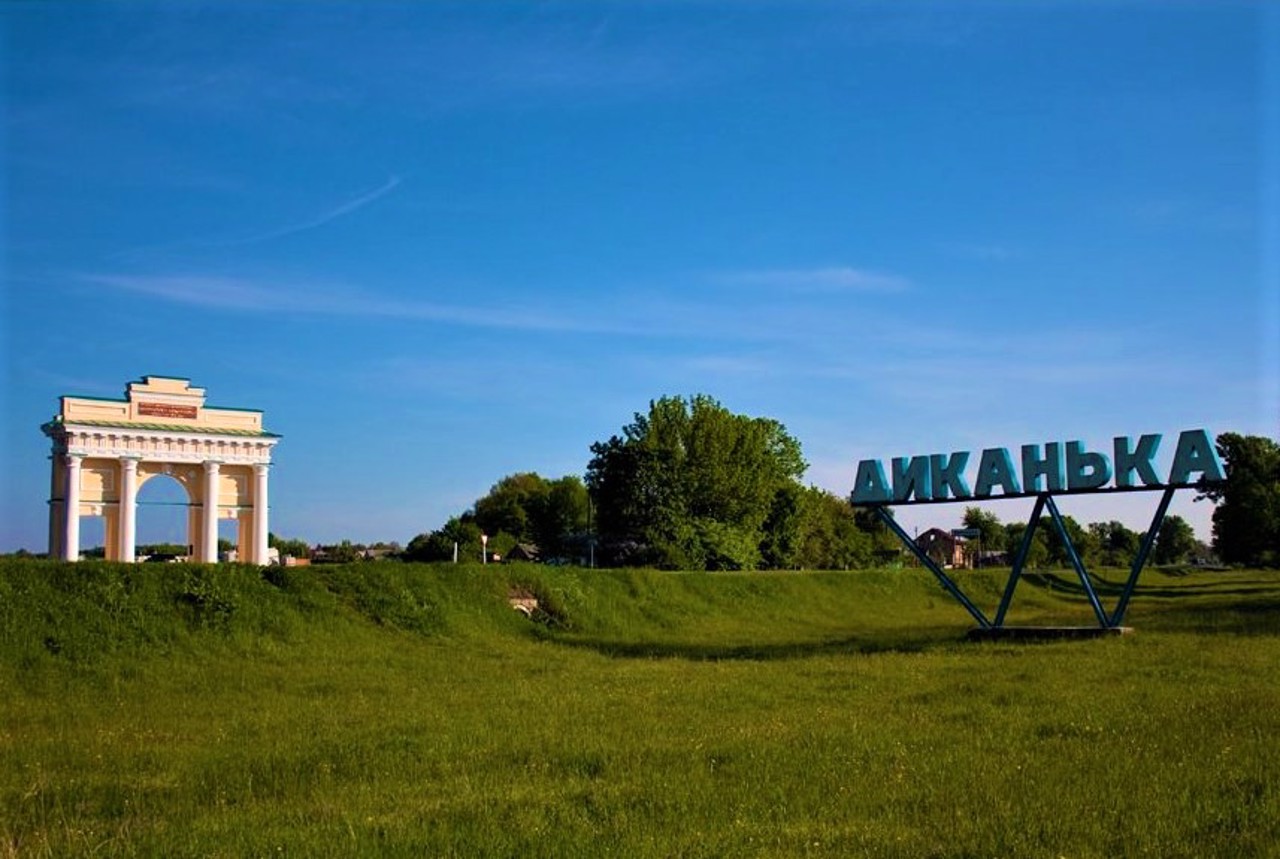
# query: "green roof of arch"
170,428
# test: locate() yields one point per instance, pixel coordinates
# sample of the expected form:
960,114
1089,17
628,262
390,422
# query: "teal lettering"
996,469
1140,460
1086,469
869,486
949,475
1034,467
1195,453
911,477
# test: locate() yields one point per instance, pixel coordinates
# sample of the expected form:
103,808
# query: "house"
524,552
943,549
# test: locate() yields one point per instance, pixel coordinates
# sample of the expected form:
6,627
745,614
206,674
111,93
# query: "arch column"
259,515
209,517
128,509
71,510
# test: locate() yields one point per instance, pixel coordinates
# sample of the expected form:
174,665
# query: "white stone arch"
104,450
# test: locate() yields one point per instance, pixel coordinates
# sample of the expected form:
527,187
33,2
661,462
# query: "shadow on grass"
1236,607
1247,617
913,640
1069,583
1232,607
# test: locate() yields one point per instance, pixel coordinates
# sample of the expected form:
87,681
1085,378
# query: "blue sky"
439,243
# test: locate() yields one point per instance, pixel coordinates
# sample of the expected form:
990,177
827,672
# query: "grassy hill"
386,709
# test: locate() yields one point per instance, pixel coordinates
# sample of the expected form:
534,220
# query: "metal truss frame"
1044,500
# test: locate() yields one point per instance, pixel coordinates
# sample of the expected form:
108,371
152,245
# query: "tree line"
690,485
1107,544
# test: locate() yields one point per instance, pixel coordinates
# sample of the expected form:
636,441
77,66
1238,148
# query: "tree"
993,532
1246,522
1038,551
528,508
1175,541
884,544
690,485
561,521
780,548
509,506
438,545
1116,545
289,548
1081,540
344,553
830,537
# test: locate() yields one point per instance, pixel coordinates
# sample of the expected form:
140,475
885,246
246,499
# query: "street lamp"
484,548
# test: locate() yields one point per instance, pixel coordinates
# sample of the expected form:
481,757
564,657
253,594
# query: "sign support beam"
1044,501
943,579
1141,559
1020,560
1074,557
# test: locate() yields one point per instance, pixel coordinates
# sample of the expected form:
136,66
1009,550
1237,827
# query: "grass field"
399,710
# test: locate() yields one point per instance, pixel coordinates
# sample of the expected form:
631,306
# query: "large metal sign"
1039,472
941,477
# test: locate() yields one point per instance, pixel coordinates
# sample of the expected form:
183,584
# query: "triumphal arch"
104,451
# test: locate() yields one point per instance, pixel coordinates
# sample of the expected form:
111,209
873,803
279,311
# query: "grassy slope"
401,710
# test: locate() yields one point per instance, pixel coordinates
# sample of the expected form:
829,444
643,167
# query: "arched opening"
164,519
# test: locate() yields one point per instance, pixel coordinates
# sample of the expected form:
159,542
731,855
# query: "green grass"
390,710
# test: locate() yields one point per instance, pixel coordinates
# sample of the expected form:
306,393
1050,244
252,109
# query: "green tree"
561,520
289,548
885,547
1175,541
1115,544
528,508
160,549
1083,542
510,506
1246,522
811,529
993,532
780,547
438,545
830,538
345,552
1038,551
690,485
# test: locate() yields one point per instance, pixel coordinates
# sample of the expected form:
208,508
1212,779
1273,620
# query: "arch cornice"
160,445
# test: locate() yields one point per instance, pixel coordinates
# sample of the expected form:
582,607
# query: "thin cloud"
328,215
247,296
979,251
823,279
331,214
650,319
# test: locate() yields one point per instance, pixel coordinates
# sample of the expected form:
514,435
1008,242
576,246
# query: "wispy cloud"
255,296
330,214
979,251
644,315
1183,214
821,279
